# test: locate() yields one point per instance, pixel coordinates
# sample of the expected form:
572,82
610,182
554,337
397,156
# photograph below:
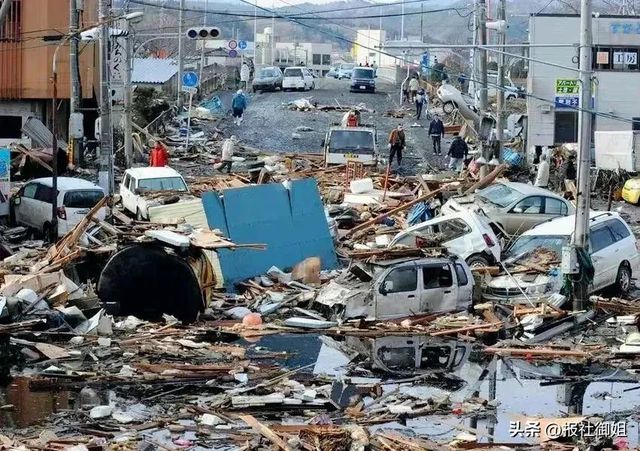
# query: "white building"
616,89
316,56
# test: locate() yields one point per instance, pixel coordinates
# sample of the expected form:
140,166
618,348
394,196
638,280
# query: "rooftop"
68,183
566,225
152,172
153,70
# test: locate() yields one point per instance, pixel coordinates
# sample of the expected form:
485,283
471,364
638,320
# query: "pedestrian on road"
570,172
542,176
245,73
159,157
421,100
396,144
228,149
457,153
414,85
436,131
238,105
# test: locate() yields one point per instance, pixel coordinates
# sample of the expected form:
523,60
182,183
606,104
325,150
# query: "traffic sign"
242,45
190,79
233,44
190,89
233,53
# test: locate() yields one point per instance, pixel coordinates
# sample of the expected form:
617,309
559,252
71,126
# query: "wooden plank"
465,329
536,352
265,432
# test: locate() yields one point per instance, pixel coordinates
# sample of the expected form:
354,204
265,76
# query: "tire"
623,279
478,261
46,232
448,107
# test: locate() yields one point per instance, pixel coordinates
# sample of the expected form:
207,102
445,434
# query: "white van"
138,182
298,78
31,205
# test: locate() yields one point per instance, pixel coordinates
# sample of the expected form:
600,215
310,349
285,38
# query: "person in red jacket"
159,156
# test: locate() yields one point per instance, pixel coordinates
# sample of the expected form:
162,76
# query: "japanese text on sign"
567,86
534,429
624,28
630,58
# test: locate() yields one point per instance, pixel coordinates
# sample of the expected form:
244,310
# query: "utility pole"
105,171
580,240
482,53
180,56
402,23
75,98
422,22
502,40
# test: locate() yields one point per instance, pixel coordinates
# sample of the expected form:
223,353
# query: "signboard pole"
186,147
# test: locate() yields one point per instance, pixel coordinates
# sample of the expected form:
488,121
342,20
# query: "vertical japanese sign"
5,180
117,65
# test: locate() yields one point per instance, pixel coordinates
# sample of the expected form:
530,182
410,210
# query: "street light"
85,35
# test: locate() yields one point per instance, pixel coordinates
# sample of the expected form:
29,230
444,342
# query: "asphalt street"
270,125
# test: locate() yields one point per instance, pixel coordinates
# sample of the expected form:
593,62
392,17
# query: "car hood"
522,280
470,203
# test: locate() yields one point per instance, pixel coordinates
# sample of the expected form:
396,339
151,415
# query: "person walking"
570,172
436,131
158,157
245,73
228,149
457,153
421,100
542,175
238,105
396,144
414,85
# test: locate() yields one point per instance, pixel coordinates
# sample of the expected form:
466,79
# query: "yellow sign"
567,86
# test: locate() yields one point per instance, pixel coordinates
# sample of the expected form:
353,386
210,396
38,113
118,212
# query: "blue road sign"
233,53
242,45
190,79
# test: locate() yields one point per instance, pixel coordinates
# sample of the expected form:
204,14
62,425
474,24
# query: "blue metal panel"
291,223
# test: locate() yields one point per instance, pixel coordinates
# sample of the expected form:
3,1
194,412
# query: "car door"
527,213
625,244
24,210
397,293
458,238
308,78
439,291
554,208
603,255
42,205
128,193
465,286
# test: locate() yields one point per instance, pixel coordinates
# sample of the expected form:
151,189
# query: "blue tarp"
291,222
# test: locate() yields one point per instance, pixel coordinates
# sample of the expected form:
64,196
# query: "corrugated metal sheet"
11,53
153,70
40,134
191,211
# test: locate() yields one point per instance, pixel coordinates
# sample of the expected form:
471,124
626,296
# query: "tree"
438,73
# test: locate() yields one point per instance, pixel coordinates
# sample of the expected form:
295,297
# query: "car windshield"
267,73
293,72
499,194
351,141
346,66
363,73
530,245
82,198
162,184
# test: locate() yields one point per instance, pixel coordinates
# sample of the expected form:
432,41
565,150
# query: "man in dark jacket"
436,131
457,153
396,144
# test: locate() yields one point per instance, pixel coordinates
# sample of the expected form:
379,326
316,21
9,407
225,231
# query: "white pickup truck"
139,183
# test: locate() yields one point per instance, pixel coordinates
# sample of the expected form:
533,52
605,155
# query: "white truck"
618,150
350,143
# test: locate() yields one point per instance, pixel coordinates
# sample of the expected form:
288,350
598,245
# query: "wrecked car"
140,189
466,234
613,250
512,207
427,285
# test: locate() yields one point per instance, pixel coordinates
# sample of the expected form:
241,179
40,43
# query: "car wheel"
448,107
478,261
46,232
623,279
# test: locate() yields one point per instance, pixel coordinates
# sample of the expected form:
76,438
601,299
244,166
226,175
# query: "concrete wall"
394,74
616,92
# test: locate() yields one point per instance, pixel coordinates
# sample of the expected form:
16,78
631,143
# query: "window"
293,72
162,184
44,194
565,127
436,277
600,238
132,184
616,58
11,126
125,180
317,58
82,199
499,194
618,229
636,124
30,191
555,207
529,206
401,280
462,275
453,229
326,60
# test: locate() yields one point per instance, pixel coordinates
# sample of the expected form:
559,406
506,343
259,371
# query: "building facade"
554,91
29,35
316,56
